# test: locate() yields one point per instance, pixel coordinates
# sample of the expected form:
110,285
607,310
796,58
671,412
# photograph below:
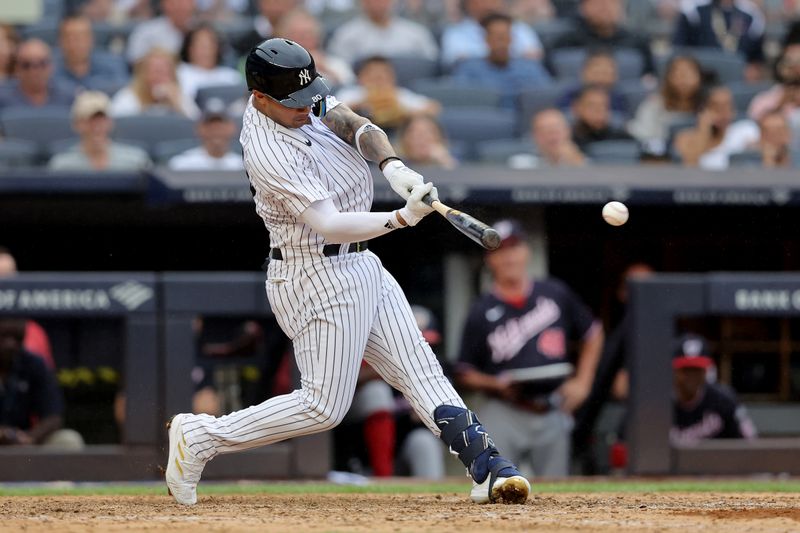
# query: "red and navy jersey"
500,336
715,415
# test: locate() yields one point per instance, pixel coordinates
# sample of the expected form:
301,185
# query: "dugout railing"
657,304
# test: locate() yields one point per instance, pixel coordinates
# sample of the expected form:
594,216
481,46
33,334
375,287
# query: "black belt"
329,250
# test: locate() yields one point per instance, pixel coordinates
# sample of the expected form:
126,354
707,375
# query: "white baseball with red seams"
615,213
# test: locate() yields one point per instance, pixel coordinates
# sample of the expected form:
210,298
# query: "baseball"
615,213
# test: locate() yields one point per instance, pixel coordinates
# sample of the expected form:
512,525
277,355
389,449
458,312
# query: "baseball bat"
473,228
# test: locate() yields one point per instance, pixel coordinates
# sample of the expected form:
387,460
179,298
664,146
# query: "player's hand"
401,178
573,393
415,209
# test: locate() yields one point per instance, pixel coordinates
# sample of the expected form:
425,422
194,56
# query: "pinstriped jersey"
289,169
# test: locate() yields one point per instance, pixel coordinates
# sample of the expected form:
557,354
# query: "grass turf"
599,486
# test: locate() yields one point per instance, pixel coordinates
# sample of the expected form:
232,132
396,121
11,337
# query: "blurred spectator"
270,15
36,339
511,334
33,84
591,111
736,26
429,13
532,11
106,11
154,87
422,142
785,94
466,38
79,63
552,139
677,100
201,62
32,403
377,31
303,28
498,70
776,141
96,150
131,10
379,97
165,32
222,10
216,131
8,47
703,410
599,24
716,136
599,70
336,9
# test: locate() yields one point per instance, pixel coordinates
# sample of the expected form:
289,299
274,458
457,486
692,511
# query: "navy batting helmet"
284,70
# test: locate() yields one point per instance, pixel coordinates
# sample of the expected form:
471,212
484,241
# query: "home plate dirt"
606,512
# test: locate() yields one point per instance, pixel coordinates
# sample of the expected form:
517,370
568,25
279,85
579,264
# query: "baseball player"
306,158
516,350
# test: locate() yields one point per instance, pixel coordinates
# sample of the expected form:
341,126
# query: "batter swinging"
313,189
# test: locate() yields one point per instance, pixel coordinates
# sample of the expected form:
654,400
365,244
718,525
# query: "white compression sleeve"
336,227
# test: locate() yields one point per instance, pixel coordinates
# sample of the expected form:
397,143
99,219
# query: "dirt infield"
605,512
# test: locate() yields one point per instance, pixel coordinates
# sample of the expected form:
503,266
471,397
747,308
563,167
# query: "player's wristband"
365,128
396,221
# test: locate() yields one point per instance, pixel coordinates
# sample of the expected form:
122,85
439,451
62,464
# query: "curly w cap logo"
305,77
131,294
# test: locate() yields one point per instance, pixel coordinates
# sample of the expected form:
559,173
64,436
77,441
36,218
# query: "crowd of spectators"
648,76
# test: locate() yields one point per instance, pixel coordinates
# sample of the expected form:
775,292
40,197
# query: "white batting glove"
401,178
415,209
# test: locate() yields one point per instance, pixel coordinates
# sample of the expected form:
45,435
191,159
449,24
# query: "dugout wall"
155,314
657,304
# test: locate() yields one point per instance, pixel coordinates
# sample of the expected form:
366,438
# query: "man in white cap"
96,150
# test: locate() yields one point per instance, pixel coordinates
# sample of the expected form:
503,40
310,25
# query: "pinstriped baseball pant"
337,310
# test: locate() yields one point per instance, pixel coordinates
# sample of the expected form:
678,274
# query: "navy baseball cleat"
503,484
494,478
183,467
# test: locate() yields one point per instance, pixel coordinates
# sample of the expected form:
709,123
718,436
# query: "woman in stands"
717,135
677,100
154,88
201,62
422,141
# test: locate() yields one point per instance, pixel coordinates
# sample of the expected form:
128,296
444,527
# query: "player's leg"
550,443
329,340
397,350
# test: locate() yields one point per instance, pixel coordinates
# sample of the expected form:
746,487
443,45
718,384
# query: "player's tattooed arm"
369,140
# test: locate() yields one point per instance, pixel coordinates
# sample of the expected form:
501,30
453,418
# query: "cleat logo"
305,77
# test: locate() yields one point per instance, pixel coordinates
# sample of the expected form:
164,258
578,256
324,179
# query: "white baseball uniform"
336,310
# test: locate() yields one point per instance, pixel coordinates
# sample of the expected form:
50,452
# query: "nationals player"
524,327
331,296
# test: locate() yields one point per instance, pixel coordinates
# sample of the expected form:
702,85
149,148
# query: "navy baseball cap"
510,231
691,351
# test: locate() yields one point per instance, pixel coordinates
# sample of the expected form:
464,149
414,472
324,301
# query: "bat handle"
437,205
428,199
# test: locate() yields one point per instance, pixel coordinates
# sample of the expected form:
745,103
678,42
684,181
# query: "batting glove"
415,209
401,178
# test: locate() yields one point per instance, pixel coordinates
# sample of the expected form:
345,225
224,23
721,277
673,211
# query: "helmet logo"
305,77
